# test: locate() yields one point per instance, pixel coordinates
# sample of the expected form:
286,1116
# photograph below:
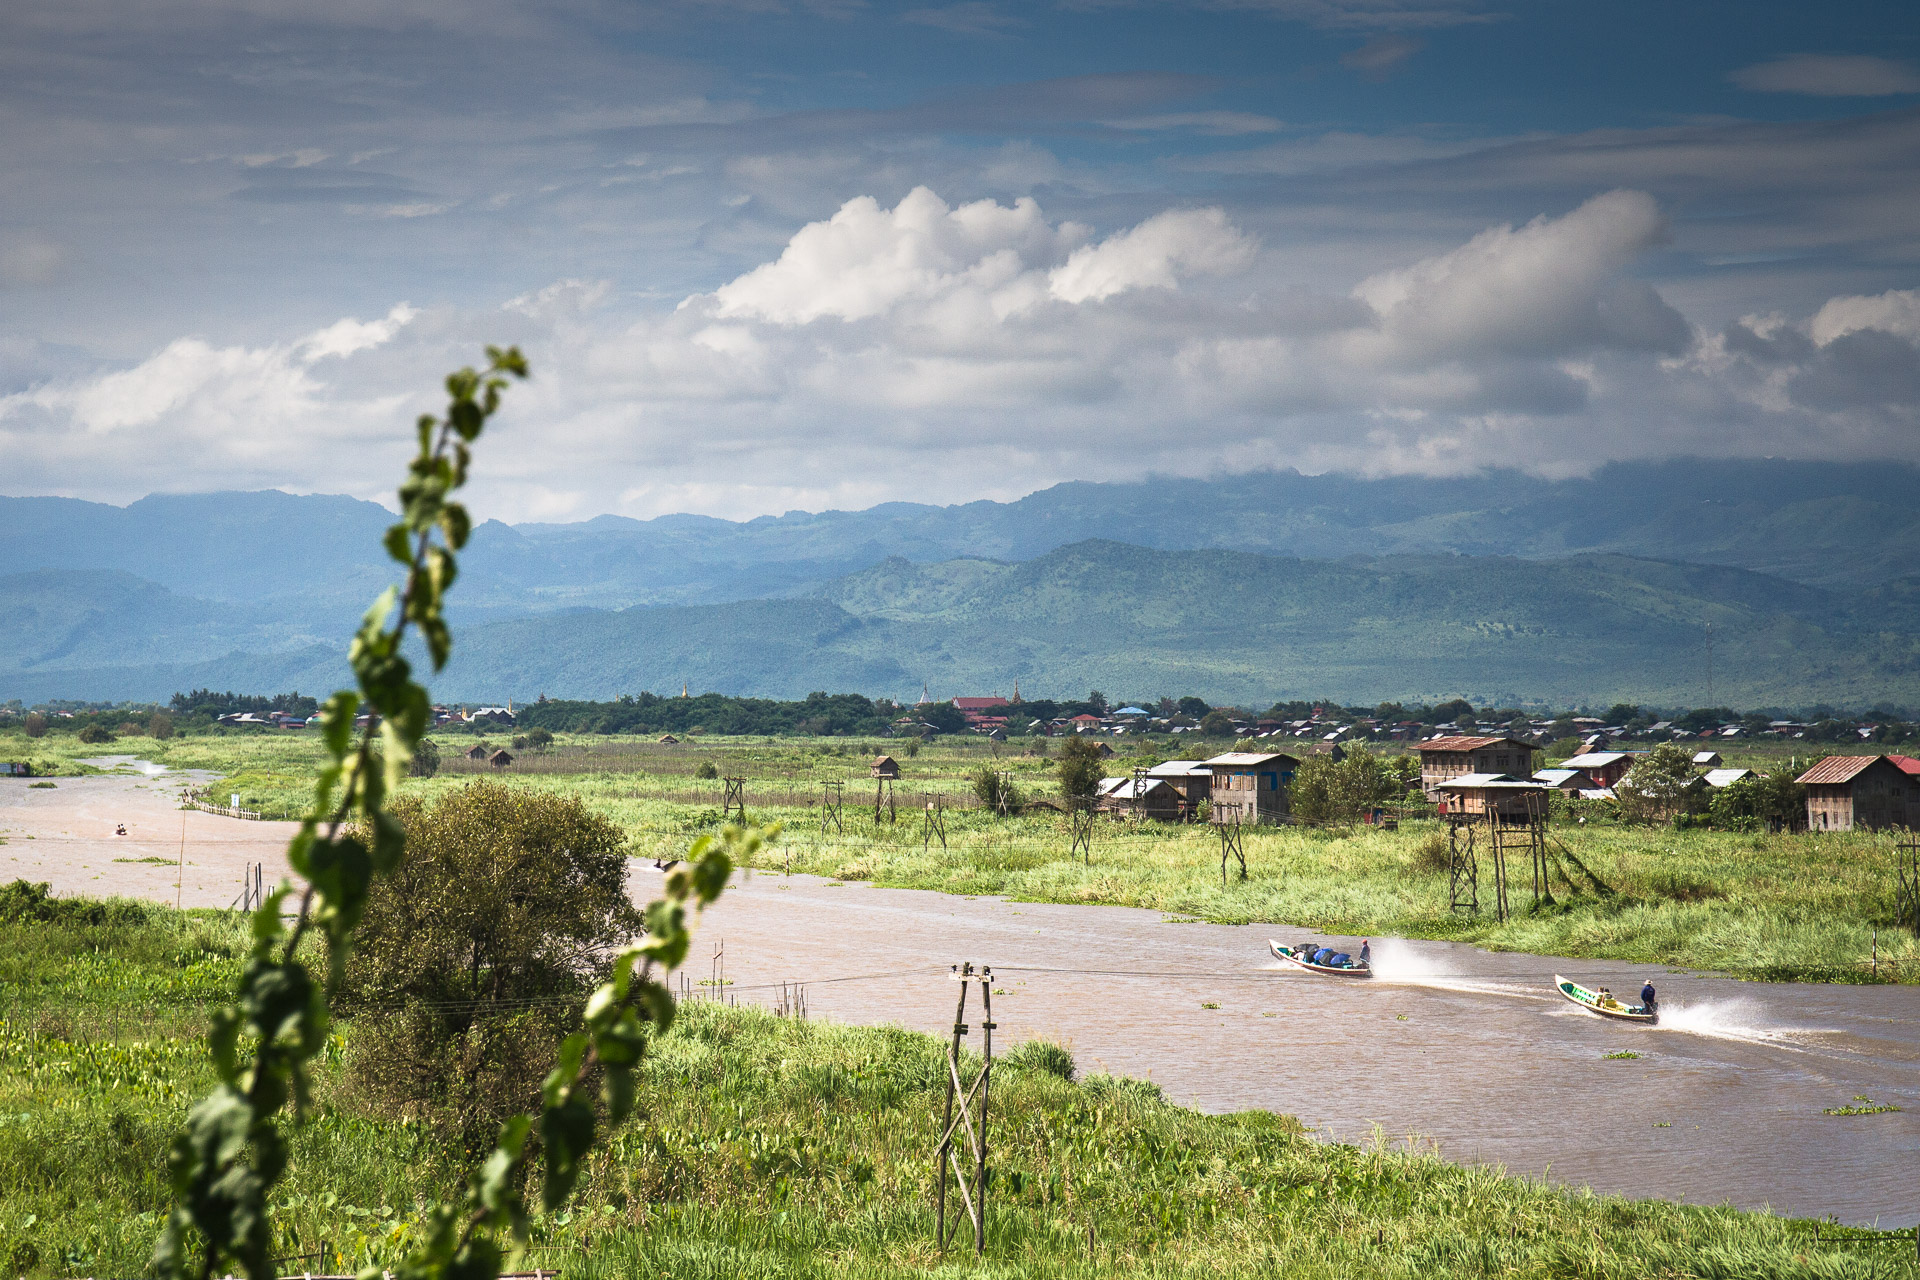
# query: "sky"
768,255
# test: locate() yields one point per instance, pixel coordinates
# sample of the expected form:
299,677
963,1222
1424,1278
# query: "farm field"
779,1147
1760,906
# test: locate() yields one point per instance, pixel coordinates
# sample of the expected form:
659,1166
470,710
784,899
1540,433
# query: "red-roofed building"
980,712
1848,793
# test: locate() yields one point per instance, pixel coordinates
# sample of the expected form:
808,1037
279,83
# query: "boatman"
1366,953
1647,1000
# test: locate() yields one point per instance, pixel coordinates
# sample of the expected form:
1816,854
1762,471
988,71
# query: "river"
1470,1051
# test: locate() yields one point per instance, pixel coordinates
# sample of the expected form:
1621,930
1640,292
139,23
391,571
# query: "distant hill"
1138,622
314,558
1242,627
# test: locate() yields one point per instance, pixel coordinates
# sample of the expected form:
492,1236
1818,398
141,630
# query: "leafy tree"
1622,713
36,725
426,759
161,725
943,716
508,902
1080,768
1450,712
705,769
913,748
1098,701
1191,706
94,733
1703,718
1329,790
1660,784
1773,800
1217,724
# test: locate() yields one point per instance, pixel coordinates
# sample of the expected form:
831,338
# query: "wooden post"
962,1116
733,801
179,884
935,827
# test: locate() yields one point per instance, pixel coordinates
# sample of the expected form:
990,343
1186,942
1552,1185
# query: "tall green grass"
771,1147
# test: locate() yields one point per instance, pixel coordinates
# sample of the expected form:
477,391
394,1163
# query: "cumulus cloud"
942,351
1827,75
1554,286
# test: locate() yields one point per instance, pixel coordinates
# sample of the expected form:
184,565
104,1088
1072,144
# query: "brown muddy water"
1470,1051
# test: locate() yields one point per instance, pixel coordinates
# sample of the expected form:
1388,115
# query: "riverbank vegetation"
1775,906
773,1147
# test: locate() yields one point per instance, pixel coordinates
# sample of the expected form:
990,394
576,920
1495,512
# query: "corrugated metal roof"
1178,769
1593,760
1467,743
1726,777
1243,759
1907,763
1837,769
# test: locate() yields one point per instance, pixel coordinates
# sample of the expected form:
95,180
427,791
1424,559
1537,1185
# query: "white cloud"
1897,311
1550,287
1826,75
931,351
1152,255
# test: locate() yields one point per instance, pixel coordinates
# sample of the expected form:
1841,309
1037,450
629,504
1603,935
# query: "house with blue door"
1250,787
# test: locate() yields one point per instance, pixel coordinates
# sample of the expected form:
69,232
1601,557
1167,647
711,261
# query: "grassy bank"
1761,906
773,1147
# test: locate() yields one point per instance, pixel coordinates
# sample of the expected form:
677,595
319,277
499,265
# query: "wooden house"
1149,797
1106,750
1606,768
884,767
476,753
1193,780
1707,760
1251,786
1868,793
1494,795
1442,759
500,759
668,740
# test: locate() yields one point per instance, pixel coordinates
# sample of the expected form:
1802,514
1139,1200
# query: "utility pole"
1081,819
1232,844
833,793
935,827
966,1113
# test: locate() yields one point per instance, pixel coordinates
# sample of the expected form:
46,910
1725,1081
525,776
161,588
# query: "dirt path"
64,836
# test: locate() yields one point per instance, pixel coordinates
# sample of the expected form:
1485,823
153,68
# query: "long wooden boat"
1288,954
1589,1000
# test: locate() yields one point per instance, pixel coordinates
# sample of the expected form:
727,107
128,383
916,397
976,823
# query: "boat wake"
1396,962
1737,1019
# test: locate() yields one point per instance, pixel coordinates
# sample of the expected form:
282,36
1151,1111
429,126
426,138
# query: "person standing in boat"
1648,1000
1366,953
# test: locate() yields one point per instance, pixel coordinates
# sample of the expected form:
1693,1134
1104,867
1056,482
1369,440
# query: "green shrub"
93,733
705,769
23,903
1046,1056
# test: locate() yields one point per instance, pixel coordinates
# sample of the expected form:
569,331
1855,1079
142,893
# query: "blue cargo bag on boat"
1340,960
1321,956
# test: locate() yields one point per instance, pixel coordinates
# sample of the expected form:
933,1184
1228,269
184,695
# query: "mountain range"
1249,588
